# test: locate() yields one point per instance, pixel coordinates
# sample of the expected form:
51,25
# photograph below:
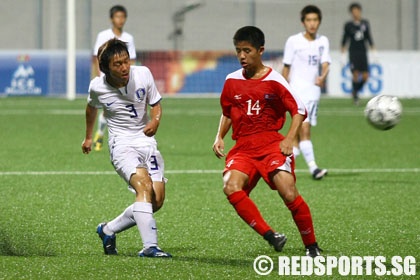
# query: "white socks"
307,150
143,215
140,214
296,151
121,223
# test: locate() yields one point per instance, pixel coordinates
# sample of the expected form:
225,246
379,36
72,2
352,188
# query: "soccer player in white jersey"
118,16
306,64
125,92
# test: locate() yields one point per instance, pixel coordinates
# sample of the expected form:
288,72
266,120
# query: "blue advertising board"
41,72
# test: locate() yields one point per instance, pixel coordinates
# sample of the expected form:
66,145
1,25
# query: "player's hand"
319,81
286,147
87,146
374,56
151,128
218,147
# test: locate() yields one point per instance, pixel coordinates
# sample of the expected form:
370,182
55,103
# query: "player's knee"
231,185
141,183
289,195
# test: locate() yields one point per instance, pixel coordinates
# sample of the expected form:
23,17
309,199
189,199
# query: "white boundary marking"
205,171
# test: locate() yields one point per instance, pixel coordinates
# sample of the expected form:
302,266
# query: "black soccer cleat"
313,250
275,239
108,241
318,174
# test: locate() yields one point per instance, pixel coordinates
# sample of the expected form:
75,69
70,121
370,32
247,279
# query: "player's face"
356,13
249,57
118,20
311,23
119,70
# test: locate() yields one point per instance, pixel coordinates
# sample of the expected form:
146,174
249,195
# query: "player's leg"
305,144
365,77
158,195
99,135
156,167
356,86
234,184
126,162
143,213
126,219
285,184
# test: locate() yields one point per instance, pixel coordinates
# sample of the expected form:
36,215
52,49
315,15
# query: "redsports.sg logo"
331,265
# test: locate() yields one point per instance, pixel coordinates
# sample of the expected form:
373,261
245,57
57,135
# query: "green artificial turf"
52,196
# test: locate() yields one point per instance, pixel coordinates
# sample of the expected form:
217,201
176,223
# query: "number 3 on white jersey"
253,109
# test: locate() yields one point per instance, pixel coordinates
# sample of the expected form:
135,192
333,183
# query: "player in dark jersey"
357,32
254,101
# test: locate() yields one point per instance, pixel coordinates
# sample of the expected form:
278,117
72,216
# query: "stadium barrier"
43,73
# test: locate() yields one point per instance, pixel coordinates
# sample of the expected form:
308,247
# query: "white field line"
193,112
205,171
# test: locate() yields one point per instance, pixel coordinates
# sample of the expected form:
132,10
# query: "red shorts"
259,156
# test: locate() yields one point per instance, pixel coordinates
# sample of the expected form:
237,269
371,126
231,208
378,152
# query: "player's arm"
286,71
325,68
219,145
286,146
90,123
344,39
155,114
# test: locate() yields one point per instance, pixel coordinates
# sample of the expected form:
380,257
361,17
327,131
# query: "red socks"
303,220
248,211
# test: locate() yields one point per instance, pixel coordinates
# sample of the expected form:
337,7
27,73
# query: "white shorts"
312,108
126,159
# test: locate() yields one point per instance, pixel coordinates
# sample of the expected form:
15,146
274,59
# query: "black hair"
108,50
117,8
355,6
310,9
250,34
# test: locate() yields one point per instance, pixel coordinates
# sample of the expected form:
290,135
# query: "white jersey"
126,109
305,58
106,35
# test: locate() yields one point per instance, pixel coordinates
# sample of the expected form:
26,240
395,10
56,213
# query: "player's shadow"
215,261
181,254
21,248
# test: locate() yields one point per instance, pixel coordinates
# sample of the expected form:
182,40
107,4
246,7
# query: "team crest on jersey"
270,96
140,94
321,50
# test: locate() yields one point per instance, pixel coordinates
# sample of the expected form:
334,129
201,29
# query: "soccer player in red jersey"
254,103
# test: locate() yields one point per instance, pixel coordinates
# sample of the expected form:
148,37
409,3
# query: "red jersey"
258,105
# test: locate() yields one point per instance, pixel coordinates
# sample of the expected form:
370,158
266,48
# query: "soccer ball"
383,111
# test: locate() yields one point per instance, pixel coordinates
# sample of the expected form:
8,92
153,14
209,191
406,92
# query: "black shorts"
358,61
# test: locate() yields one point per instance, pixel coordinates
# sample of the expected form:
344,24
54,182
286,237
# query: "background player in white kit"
125,92
304,54
118,15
